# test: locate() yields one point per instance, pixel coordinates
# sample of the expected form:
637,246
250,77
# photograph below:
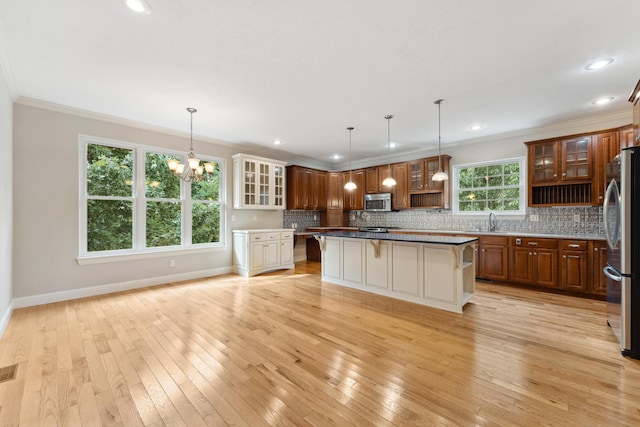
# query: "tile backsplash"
560,220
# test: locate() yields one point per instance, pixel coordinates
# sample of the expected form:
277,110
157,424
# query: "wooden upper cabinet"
373,179
421,173
319,191
543,162
334,191
306,188
564,160
635,100
626,138
354,199
399,192
577,158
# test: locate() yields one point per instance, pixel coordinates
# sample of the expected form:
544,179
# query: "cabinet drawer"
574,245
257,237
493,240
273,236
532,242
286,235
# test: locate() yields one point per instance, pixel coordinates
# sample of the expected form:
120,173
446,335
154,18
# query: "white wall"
46,210
6,201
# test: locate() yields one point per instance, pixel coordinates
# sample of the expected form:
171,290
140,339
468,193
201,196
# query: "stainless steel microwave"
380,202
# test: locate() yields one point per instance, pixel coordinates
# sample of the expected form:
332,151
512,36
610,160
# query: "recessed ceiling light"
475,127
598,64
139,6
277,142
602,101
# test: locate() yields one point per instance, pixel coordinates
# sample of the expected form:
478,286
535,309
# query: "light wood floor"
285,349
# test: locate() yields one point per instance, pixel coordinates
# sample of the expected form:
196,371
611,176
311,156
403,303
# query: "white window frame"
139,200
455,188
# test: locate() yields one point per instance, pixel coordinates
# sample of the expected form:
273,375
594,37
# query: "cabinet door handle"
574,246
533,243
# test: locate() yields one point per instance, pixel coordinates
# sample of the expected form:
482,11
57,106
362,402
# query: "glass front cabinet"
258,183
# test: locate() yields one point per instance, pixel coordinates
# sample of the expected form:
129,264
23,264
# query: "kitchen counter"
436,271
420,238
579,236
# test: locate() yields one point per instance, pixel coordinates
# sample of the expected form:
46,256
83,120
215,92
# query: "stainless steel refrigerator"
621,215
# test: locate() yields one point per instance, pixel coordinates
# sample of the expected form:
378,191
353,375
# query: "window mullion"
140,217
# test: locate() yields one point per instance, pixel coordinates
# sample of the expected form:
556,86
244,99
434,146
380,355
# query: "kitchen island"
436,271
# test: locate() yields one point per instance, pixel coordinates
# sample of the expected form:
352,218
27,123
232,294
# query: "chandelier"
194,172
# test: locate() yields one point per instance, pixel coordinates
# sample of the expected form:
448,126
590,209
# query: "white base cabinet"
436,275
259,251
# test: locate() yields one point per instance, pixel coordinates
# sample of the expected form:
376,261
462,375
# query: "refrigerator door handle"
612,274
613,186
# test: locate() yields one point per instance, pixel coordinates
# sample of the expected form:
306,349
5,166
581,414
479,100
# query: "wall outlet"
576,218
533,218
255,217
233,218
172,263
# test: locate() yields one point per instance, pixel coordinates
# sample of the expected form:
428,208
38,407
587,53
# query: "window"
497,186
131,202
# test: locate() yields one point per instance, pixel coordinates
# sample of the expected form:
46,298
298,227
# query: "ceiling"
303,71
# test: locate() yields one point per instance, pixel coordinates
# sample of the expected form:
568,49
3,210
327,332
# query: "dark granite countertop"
418,238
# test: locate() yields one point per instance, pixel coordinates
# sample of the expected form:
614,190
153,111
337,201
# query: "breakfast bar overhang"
436,271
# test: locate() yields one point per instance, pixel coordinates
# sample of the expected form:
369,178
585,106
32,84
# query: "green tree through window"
129,188
490,187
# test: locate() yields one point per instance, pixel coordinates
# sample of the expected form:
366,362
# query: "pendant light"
350,186
439,176
193,171
389,181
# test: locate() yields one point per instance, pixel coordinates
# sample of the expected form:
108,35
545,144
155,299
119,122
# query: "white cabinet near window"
259,251
258,183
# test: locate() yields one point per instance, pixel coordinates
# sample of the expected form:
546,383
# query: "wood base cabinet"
598,262
574,261
493,258
534,262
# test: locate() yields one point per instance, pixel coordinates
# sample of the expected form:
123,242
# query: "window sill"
104,259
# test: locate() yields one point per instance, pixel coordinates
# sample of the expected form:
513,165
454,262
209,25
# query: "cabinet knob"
564,256
564,174
595,249
555,175
483,250
530,254
535,253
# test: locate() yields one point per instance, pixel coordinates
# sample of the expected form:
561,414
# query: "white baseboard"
107,289
4,321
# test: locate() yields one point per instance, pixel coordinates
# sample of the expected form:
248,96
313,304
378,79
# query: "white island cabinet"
437,271
259,251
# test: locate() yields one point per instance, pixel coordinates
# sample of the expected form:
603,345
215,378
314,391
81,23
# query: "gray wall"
6,202
46,208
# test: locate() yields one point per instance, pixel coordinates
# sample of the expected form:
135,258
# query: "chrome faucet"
492,222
